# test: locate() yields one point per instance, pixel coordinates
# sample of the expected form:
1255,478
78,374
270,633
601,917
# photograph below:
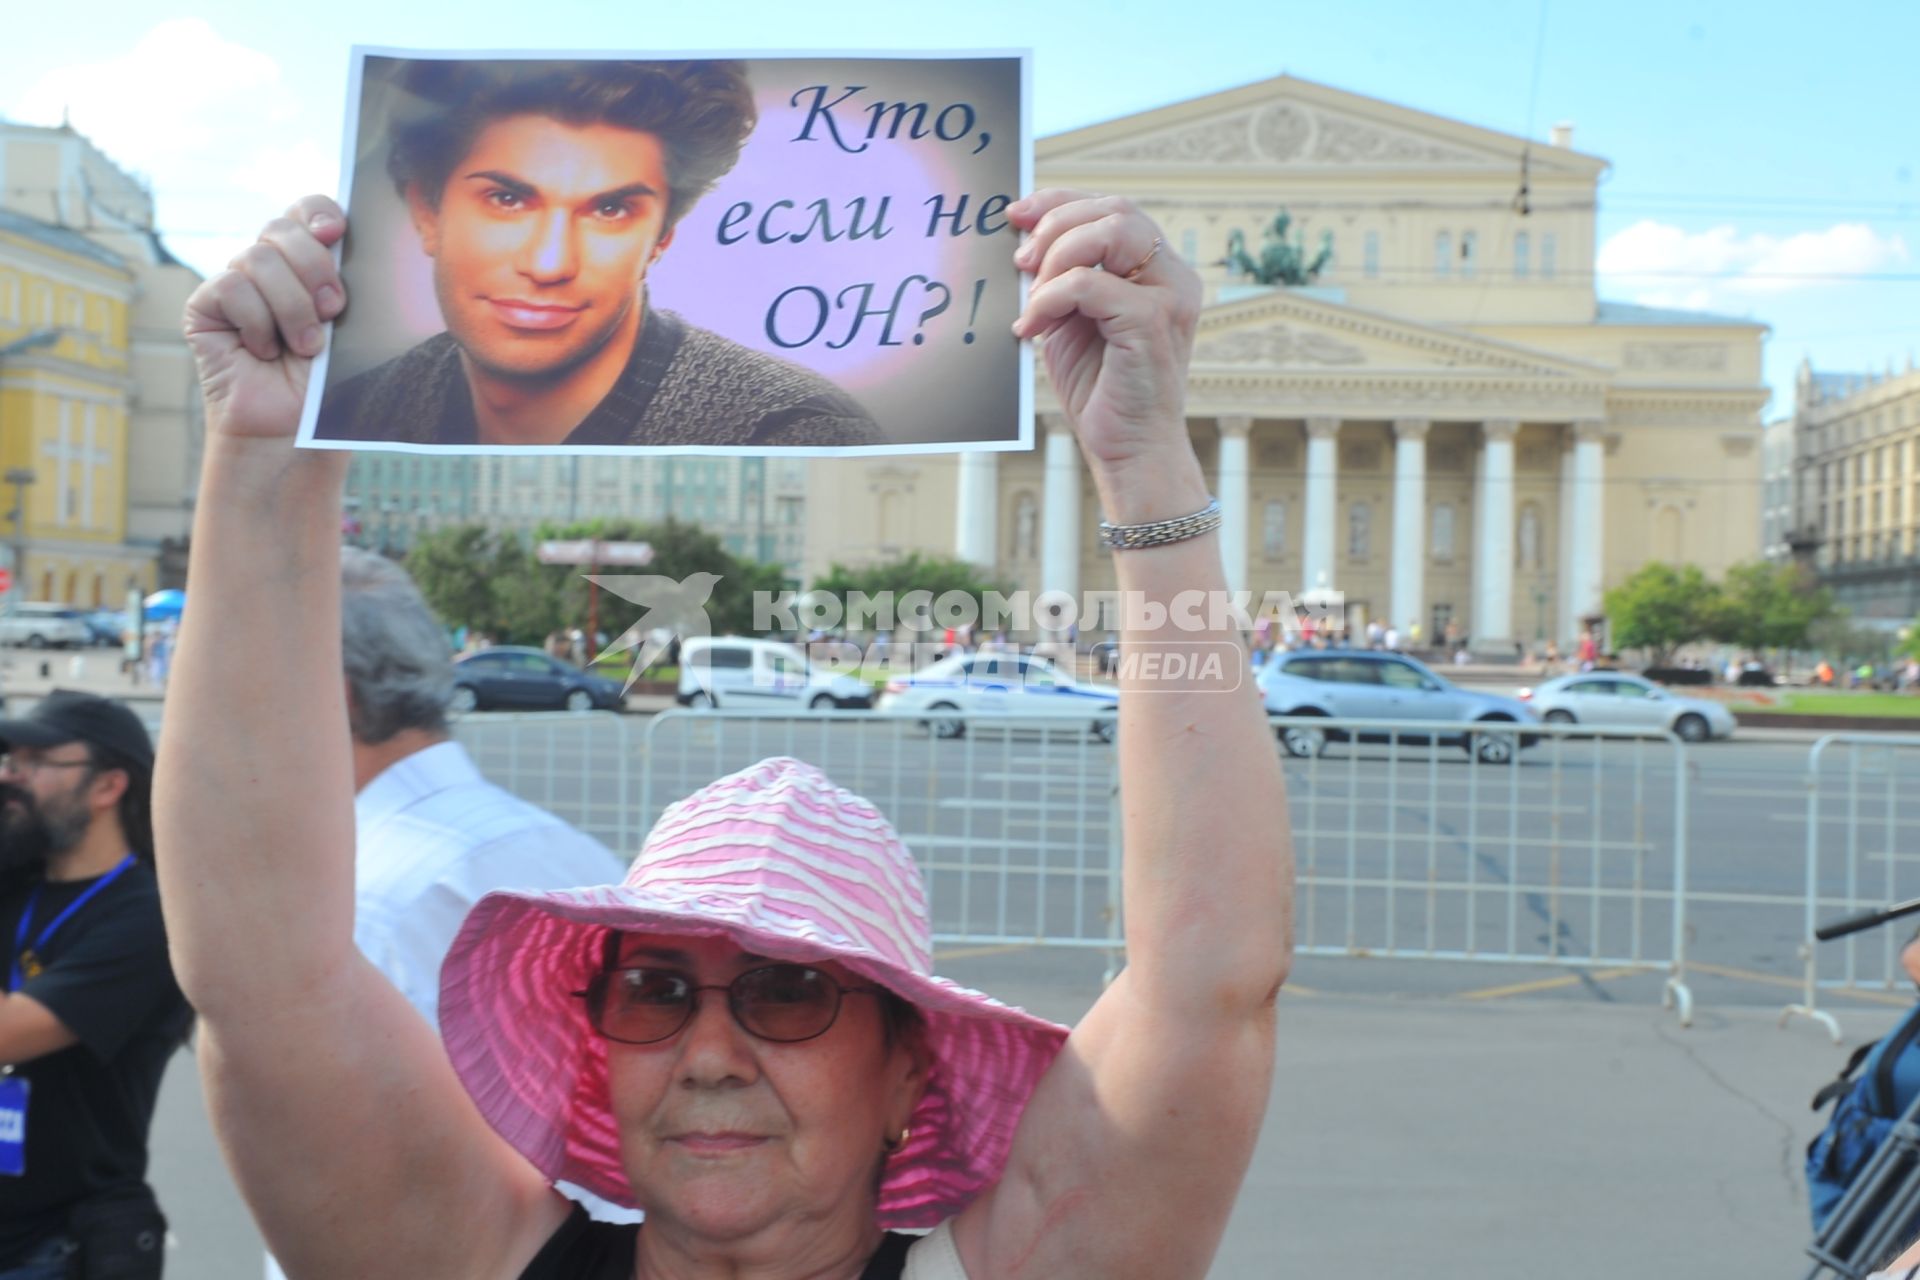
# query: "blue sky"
1763,162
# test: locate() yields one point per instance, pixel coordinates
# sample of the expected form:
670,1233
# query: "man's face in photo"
542,240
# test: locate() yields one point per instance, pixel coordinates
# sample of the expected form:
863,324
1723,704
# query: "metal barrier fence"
1406,847
1520,844
1012,819
1863,795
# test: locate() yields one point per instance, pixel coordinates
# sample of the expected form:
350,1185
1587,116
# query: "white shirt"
432,838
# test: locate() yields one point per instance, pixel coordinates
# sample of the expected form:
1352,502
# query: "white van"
737,672
45,626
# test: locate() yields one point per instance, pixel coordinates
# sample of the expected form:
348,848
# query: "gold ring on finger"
1141,265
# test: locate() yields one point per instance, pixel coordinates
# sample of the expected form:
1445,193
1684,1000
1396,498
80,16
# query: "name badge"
13,1126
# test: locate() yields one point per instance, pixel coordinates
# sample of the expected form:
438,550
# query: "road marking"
1547,984
972,953
1798,984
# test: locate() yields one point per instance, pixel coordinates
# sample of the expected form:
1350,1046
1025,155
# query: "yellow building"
66,399
1450,428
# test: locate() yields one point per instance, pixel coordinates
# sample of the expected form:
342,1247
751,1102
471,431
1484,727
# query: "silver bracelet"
1132,537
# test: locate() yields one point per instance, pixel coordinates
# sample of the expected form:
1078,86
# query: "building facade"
53,178
66,404
1450,428
1856,447
755,506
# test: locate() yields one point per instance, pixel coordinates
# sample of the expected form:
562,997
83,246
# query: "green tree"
452,567
936,575
1662,607
1770,606
680,549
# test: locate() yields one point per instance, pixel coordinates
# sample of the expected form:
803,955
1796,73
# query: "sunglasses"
783,1003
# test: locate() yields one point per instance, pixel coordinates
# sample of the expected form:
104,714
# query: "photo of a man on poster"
544,193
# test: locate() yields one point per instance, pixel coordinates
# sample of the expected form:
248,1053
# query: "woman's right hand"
256,327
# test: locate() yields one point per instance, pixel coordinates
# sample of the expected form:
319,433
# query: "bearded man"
92,1012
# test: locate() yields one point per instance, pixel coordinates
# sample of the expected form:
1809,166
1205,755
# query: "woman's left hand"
1117,309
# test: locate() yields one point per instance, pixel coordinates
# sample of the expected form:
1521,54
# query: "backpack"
1888,1084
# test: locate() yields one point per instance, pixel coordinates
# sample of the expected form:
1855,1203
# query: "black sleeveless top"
583,1249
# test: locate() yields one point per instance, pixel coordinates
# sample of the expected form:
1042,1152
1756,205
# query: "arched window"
1442,253
1026,521
1273,530
1526,542
1442,540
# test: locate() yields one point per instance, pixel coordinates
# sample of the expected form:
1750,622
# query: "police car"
1017,684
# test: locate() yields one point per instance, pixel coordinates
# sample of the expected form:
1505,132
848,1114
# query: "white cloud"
1725,269
210,123
181,89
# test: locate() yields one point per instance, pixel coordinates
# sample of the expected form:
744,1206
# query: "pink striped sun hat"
788,866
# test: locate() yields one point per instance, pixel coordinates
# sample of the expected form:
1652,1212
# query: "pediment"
1285,330
1296,124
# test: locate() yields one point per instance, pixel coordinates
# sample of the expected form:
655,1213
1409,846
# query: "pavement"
1454,1138
1437,1119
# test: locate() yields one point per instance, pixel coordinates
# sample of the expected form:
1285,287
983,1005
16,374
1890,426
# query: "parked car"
45,626
1370,685
1021,684
1615,699
510,677
740,672
109,626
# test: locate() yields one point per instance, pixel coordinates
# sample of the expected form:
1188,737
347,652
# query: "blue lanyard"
20,948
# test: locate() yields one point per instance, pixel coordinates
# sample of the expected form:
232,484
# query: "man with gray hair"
432,836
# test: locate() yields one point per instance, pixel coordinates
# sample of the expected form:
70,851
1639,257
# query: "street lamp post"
1540,612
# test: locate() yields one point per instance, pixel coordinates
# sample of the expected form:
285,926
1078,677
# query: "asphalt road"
1457,1118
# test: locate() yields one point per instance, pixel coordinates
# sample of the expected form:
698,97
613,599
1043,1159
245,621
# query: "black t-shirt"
90,1105
583,1249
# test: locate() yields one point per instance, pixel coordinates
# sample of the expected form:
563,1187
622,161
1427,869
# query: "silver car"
1364,684
1616,700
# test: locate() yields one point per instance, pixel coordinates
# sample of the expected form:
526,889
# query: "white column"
1231,490
1408,590
1060,514
1316,543
1589,463
977,510
1493,555
1566,625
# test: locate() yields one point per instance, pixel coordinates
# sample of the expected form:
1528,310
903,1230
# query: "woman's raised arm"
333,1099
1132,1152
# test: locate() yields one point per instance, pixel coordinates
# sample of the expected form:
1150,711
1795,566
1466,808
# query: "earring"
893,1145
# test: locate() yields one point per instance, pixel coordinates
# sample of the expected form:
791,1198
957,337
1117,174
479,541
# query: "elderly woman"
745,1039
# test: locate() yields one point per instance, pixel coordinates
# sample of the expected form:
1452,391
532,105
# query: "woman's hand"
1117,309
256,326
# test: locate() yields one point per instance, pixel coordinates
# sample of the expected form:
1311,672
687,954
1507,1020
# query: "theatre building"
1447,426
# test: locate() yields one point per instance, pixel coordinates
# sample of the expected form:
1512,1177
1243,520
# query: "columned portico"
1316,542
1231,488
1409,521
1060,519
977,510
1493,552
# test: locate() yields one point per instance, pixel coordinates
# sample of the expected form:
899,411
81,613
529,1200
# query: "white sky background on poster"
873,373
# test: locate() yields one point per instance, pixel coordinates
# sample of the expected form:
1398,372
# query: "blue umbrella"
165,604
